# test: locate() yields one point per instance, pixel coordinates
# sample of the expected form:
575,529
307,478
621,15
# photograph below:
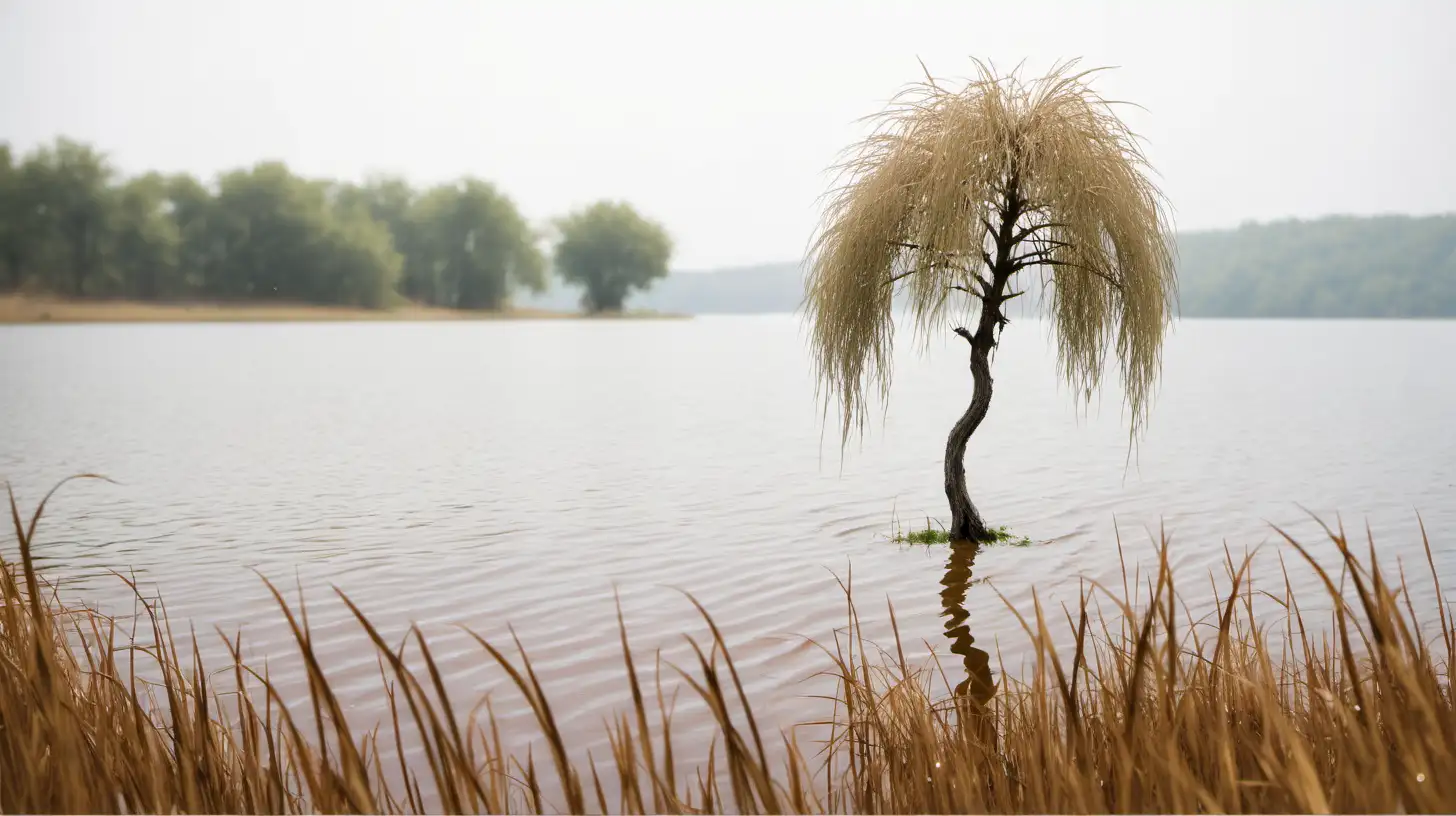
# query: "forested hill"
1343,266
1387,266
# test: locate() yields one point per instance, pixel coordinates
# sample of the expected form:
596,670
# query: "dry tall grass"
1154,711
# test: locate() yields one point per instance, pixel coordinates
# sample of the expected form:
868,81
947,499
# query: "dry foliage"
923,204
1153,712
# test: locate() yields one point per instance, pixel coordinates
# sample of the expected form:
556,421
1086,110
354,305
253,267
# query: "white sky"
720,118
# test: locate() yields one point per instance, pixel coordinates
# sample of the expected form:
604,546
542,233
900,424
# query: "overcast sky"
719,118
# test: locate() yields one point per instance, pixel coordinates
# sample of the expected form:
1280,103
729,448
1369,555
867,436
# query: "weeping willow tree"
963,199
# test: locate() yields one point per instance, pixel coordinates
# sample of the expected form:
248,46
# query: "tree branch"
1028,208
917,247
1110,282
1051,242
984,284
1037,258
909,245
1044,248
1022,235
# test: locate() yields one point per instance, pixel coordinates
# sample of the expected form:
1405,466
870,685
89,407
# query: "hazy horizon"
721,121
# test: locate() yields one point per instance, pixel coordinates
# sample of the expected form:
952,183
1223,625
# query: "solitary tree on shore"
610,250
959,192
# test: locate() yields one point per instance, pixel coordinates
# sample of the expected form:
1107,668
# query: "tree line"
72,225
1341,266
1337,266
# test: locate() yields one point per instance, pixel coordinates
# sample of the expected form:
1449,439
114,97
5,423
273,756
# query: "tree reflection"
977,685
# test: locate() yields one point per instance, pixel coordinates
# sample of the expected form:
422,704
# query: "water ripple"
536,475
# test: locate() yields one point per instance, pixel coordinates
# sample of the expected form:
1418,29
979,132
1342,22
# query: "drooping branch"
1099,273
918,247
943,263
1115,284
1044,258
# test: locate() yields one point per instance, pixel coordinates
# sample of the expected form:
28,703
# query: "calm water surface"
523,473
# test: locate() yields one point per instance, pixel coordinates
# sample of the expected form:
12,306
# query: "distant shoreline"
23,309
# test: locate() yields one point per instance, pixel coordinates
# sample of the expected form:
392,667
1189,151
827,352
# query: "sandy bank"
28,309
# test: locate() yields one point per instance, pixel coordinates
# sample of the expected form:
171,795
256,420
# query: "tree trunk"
966,523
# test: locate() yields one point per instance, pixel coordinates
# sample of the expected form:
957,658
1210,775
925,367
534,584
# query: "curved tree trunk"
966,523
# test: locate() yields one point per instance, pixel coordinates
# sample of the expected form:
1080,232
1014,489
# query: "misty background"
549,473
721,120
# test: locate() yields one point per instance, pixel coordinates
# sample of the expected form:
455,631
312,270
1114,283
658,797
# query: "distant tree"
264,224
360,266
610,250
23,225
11,268
143,250
199,248
274,236
960,192
29,242
70,224
67,185
470,248
391,201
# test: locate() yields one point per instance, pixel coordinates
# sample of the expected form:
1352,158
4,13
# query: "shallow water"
522,473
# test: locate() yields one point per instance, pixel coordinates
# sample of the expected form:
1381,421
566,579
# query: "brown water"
494,473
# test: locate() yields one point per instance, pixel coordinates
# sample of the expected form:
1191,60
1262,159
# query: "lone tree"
961,192
610,250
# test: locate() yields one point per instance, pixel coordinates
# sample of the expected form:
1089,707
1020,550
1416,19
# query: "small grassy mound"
938,535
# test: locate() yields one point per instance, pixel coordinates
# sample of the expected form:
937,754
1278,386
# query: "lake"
521,473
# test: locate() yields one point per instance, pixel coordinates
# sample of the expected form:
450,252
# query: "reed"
1153,710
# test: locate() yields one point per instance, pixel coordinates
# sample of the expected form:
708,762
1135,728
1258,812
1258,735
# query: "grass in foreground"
1153,711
